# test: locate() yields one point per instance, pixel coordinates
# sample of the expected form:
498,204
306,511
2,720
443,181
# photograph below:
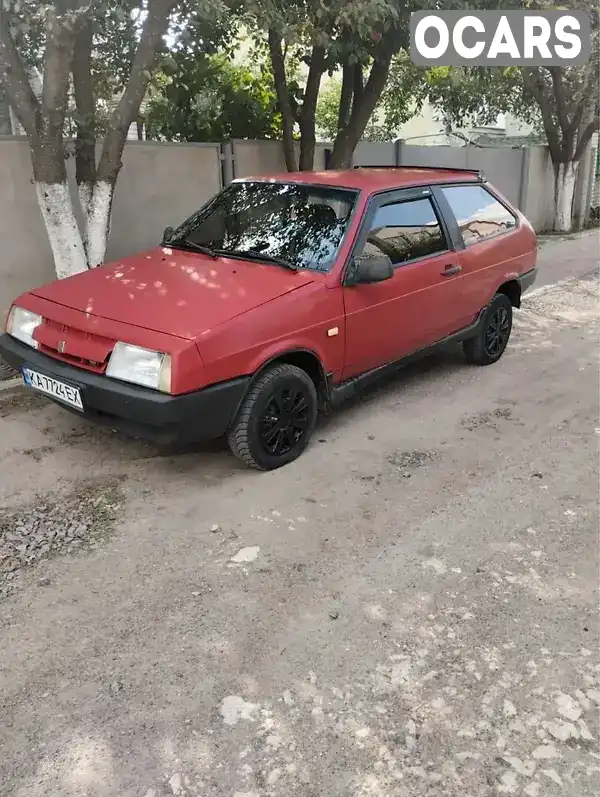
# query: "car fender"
280,349
508,276
279,352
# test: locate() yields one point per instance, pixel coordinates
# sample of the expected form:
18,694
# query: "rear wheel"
491,340
276,419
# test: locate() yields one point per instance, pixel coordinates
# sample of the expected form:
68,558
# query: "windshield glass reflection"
298,223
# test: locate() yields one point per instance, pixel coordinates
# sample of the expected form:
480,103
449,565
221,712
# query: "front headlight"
21,323
140,367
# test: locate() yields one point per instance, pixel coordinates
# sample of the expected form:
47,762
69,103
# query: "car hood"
175,292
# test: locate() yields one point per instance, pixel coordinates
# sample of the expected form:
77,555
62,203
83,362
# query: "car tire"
490,342
276,419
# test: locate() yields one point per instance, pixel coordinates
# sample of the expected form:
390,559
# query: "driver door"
388,320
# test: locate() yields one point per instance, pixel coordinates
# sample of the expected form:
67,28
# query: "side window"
478,214
405,231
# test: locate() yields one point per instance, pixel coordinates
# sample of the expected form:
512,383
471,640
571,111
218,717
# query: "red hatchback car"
279,298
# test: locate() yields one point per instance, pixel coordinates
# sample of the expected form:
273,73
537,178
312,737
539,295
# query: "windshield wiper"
252,254
185,243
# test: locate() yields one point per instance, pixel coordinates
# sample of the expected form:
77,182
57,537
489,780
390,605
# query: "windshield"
298,223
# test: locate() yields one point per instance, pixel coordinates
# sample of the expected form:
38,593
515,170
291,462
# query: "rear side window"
478,213
405,231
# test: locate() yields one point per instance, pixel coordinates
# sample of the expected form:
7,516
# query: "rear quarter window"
479,214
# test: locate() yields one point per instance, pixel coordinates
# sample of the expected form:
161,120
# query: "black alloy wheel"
276,419
497,332
490,341
285,421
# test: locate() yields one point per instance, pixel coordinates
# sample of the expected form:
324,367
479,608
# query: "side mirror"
167,233
371,268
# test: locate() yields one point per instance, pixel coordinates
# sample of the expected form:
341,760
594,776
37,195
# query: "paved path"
561,257
413,612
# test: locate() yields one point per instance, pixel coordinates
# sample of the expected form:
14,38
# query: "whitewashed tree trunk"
85,191
41,107
98,222
63,231
564,189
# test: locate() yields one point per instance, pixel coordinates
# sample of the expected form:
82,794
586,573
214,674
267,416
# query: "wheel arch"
511,288
306,359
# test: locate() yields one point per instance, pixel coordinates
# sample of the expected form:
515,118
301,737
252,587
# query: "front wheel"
276,419
491,339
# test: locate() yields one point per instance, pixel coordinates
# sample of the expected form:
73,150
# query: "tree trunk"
98,221
85,118
56,206
565,176
358,83
283,95
308,138
97,203
362,109
345,96
68,49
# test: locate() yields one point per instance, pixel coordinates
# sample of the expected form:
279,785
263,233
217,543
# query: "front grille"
52,337
78,362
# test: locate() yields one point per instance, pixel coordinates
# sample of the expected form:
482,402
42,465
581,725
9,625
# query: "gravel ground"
49,526
409,610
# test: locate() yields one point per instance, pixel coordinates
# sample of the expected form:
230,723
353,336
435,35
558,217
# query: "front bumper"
137,411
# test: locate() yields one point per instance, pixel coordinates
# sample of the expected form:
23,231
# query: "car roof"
373,179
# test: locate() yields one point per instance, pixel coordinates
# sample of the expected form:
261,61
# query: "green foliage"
405,91
476,95
209,98
328,111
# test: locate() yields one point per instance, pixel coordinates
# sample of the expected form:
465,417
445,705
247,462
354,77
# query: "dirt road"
409,610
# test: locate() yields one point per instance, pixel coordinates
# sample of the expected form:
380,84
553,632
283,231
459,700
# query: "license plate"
53,387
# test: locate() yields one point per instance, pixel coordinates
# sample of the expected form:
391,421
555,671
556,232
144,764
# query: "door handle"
449,271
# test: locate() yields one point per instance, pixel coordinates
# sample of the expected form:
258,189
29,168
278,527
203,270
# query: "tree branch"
559,98
348,138
128,107
60,39
283,95
15,80
588,96
358,84
585,137
345,95
309,107
85,116
534,83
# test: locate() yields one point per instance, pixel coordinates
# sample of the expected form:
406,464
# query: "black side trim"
346,390
526,280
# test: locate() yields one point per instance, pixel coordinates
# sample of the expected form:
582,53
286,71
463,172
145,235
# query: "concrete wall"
25,257
258,158
160,184
504,167
538,199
